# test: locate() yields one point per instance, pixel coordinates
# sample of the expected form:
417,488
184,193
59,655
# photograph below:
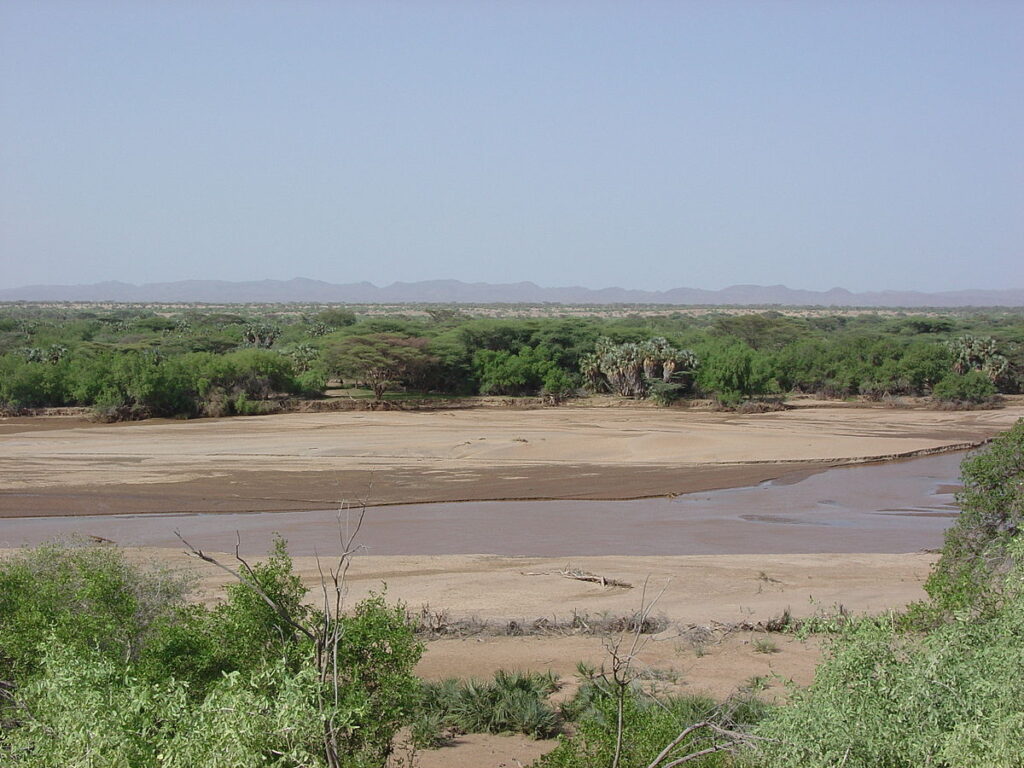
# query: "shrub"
102,663
977,551
953,697
81,597
765,645
665,394
512,702
971,387
733,372
648,727
558,385
86,711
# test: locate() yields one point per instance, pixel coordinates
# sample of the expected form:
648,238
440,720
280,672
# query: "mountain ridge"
450,291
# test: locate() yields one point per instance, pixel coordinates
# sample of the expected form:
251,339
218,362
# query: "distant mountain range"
456,292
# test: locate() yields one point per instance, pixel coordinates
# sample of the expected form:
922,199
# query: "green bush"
648,727
953,697
891,694
501,372
971,387
976,554
733,372
103,663
87,711
81,597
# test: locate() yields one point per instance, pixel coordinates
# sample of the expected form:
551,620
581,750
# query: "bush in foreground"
104,663
951,697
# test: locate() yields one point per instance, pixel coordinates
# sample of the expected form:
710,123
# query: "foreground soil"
63,466
709,606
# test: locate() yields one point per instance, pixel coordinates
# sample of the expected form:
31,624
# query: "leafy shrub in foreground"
648,726
949,697
953,697
102,663
81,596
87,710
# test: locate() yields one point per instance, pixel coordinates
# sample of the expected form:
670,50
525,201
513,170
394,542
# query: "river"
900,506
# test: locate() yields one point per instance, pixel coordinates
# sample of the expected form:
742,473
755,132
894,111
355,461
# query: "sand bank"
314,461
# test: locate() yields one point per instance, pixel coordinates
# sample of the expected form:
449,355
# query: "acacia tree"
378,360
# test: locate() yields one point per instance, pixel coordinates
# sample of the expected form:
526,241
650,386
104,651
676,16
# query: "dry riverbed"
316,460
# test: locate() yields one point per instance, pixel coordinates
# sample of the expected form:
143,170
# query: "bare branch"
249,581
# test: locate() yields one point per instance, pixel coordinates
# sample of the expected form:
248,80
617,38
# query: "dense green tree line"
133,362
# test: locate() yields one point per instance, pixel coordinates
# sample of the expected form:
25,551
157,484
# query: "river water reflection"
900,506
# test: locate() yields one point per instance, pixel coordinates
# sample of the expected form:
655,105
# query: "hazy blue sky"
641,144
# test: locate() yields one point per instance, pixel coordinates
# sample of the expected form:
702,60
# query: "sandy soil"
697,596
310,461
697,589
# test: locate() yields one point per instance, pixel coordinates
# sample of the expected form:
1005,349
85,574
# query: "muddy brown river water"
901,506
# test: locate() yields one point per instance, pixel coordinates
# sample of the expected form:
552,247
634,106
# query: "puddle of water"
902,506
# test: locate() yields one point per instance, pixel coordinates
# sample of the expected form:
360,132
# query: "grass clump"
512,702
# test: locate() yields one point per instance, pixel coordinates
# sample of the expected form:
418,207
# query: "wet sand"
900,506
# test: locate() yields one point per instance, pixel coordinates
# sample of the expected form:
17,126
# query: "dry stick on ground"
581,575
326,634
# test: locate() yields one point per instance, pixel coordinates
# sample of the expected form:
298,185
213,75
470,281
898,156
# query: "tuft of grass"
512,702
765,645
756,683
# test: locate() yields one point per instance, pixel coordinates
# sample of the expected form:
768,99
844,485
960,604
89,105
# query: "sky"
867,145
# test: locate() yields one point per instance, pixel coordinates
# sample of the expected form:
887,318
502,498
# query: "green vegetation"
512,702
972,575
649,726
131,362
378,360
103,662
971,387
940,685
952,696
